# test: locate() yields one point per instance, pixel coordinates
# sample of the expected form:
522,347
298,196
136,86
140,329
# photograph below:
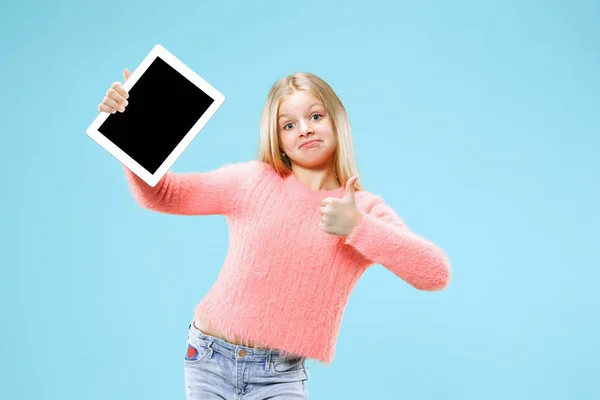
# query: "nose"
304,128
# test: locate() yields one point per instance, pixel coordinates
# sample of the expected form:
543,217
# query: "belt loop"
268,363
210,342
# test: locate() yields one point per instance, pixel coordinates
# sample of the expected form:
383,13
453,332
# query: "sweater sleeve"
195,193
383,238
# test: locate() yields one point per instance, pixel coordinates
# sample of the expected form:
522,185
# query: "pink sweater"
285,282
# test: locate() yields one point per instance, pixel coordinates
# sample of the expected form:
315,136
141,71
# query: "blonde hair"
269,146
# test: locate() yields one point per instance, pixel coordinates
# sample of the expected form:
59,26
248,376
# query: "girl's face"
306,131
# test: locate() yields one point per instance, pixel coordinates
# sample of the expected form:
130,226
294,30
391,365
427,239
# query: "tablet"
168,105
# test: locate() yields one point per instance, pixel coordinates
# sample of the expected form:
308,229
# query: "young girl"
302,232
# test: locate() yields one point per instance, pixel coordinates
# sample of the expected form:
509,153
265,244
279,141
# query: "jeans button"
242,353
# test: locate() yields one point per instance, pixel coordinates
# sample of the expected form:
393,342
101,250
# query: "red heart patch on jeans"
192,352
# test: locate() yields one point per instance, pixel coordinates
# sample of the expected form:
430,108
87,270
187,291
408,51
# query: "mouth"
308,143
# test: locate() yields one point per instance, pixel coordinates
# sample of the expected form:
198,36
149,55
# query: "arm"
194,193
382,237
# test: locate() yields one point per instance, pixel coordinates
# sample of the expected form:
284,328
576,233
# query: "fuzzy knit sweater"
285,283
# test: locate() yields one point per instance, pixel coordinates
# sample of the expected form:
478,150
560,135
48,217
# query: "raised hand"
340,216
116,97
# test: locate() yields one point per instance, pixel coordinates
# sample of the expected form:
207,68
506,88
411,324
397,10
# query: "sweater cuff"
361,234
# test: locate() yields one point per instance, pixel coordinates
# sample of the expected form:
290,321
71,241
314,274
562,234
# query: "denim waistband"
234,351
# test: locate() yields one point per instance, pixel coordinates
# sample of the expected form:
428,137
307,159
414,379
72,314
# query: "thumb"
350,188
126,74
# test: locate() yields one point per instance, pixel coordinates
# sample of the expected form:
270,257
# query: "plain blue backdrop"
479,124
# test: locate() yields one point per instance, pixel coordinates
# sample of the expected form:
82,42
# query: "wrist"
357,220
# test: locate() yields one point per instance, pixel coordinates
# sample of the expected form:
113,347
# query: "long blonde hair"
269,146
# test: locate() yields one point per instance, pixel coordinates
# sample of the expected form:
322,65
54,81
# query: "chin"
318,159
314,163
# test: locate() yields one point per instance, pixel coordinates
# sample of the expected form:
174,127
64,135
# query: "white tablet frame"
135,167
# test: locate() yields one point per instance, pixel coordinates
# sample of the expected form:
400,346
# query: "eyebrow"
311,106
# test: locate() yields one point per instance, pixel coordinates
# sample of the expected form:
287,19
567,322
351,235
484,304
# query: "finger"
322,227
325,209
326,201
126,74
350,188
113,94
104,108
120,90
113,104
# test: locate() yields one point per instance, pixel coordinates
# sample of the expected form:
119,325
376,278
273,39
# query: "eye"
318,115
286,126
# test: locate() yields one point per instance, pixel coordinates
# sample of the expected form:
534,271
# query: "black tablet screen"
163,107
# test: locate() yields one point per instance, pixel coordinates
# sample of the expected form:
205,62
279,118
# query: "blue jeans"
217,369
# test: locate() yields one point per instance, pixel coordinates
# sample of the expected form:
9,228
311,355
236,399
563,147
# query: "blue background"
479,124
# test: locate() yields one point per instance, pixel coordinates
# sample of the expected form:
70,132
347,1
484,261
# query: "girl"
302,232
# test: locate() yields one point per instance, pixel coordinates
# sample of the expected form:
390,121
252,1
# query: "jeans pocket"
196,351
288,366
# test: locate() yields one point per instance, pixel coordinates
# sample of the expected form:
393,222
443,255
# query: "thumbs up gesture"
340,216
116,97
